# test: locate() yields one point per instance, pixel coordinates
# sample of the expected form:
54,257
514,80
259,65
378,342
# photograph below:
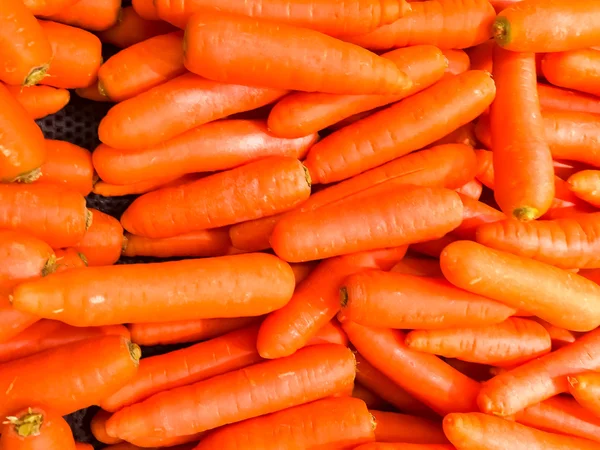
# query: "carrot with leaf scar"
552,97
40,101
302,113
92,15
585,388
576,69
103,241
586,186
394,427
131,28
398,130
198,244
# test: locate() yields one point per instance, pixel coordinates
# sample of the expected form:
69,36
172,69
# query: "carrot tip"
135,352
307,175
28,425
501,31
28,177
36,75
343,297
50,266
526,213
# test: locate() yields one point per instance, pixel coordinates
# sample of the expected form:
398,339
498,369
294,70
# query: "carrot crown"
27,425
343,296
501,31
135,351
50,266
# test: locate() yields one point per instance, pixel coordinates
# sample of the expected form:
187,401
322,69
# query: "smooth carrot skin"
302,270
481,56
303,113
131,28
462,135
98,428
47,7
418,266
425,377
212,49
103,242
177,106
475,214
219,145
254,235
396,131
552,97
472,189
204,243
92,93
562,298
92,15
372,401
128,446
397,300
394,427
559,336
69,258
330,333
539,26
434,248
82,446
311,374
76,56
334,423
576,69
142,66
403,446
117,190
458,61
586,185
316,302
40,101
585,388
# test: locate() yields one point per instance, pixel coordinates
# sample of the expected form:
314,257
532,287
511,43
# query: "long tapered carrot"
422,267
142,66
585,388
552,97
394,427
396,300
93,15
308,375
117,190
562,298
103,242
40,101
131,28
540,26
215,146
334,423
586,185
540,379
577,69
212,49
398,130
480,431
434,22
302,113
198,244
403,446
175,107
316,302
425,377
98,428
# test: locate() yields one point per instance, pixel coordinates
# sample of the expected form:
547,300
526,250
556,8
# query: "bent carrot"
471,189
198,244
563,100
103,242
117,190
177,106
93,15
131,28
586,186
98,428
576,69
212,49
40,101
422,267
394,427
585,388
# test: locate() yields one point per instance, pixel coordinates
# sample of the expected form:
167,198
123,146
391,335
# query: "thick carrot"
462,135
308,375
540,379
540,26
586,186
215,146
175,107
43,211
93,15
96,367
282,59
98,428
316,302
131,28
22,140
563,100
103,241
422,267
403,446
198,244
302,113
142,66
480,431
397,300
471,189
40,101
47,7
116,190
458,62
398,130
92,93
585,388
76,56
576,69
394,427
425,377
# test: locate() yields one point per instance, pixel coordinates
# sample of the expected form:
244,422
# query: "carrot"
22,140
40,101
317,372
559,336
254,235
198,244
471,189
302,270
26,52
458,61
128,446
330,333
586,186
98,428
93,15
302,113
434,22
394,427
76,56
165,111
47,7
396,131
462,135
481,56
372,401
185,330
219,145
103,241
531,26
396,300
585,388
475,214
425,377
434,248
142,66
132,28
402,446
92,93
500,5
576,69
478,431
316,302
563,100
422,267
116,190
82,446
67,259
36,428
145,9
284,61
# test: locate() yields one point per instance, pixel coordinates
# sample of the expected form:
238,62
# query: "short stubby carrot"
117,190
395,427
398,130
202,243
585,388
552,97
540,26
93,15
577,69
219,145
562,298
177,106
142,67
379,221
310,374
302,113
586,185
97,368
103,242
40,101
267,283
397,300
435,23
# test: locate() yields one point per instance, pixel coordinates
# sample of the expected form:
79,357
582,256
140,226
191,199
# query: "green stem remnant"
27,425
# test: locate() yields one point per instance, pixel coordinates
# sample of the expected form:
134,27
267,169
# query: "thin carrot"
563,100
425,377
316,302
198,244
302,270
132,28
302,113
93,15
559,336
276,55
394,427
40,101
174,107
475,214
539,26
367,143
103,241
145,9
458,62
585,387
397,300
586,186
116,190
92,93
76,56
472,189
576,69
403,446
47,7
98,428
142,66
422,267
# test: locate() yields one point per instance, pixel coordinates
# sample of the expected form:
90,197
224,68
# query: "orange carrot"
284,60
302,270
131,29
559,336
458,62
481,56
145,9
92,93
371,400
98,428
103,241
175,107
500,5
394,427
563,100
128,446
93,15
254,235
82,446
472,189
116,190
462,135
422,267
47,7
475,214
396,131
69,258
403,446
198,244
434,248
586,186
576,69
585,387
40,101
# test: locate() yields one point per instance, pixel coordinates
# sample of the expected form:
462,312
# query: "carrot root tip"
27,177
343,297
526,213
135,351
27,425
36,75
50,266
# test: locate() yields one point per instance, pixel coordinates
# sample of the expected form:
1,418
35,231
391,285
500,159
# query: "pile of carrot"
375,225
